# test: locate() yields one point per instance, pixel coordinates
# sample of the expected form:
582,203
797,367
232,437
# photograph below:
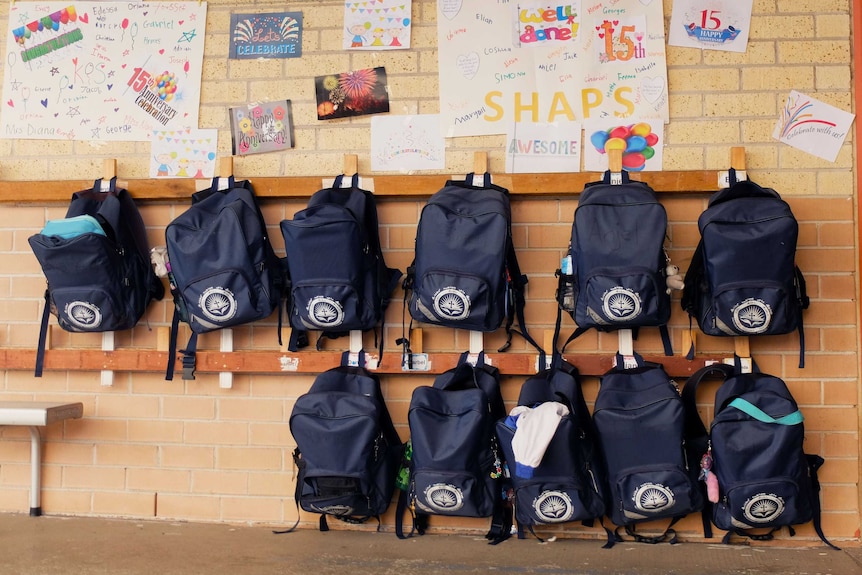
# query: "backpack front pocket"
329,306
652,492
452,493
762,504
749,308
631,298
455,300
223,299
551,500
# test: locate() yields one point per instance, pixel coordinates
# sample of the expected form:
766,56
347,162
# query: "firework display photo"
354,93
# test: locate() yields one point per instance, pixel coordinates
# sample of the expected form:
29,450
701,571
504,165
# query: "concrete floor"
96,546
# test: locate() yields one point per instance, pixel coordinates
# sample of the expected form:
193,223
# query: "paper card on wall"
261,127
612,64
183,153
641,142
711,24
377,25
407,143
543,147
354,93
102,70
271,35
812,126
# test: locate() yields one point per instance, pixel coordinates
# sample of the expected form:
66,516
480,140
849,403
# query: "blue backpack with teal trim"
763,478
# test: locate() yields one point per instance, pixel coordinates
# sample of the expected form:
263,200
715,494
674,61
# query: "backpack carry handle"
339,179
111,187
486,182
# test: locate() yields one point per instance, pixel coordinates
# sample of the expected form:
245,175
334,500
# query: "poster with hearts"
544,62
102,71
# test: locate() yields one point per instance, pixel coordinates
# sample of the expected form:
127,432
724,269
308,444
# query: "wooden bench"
33,415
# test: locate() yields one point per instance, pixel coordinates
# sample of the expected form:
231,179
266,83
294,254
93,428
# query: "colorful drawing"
406,143
543,147
543,24
102,71
273,35
546,62
812,126
183,153
711,24
377,25
640,142
261,127
354,93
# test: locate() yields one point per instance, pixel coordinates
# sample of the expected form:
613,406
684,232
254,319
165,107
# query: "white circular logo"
763,508
652,497
621,304
444,498
218,304
324,311
553,507
452,303
83,315
752,316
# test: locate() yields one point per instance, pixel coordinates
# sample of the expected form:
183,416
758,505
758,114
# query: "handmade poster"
711,24
272,35
641,142
377,25
546,62
407,143
354,93
261,127
812,126
543,147
99,71
188,153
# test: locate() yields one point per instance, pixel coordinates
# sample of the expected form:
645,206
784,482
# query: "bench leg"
35,472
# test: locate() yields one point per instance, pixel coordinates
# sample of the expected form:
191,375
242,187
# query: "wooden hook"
480,162
737,158
351,164
225,167
615,161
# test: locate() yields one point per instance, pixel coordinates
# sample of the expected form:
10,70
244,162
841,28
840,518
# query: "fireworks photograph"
354,93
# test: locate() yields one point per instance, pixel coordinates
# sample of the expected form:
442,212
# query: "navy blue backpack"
567,483
763,479
743,279
616,276
97,264
465,274
456,466
222,269
338,280
347,449
640,420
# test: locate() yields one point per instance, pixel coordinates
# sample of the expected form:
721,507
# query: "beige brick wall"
193,451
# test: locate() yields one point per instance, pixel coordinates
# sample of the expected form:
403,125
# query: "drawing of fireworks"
796,113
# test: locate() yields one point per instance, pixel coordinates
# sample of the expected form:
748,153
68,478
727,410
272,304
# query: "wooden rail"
179,189
307,362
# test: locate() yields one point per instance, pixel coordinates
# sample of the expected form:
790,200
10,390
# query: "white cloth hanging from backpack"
534,429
